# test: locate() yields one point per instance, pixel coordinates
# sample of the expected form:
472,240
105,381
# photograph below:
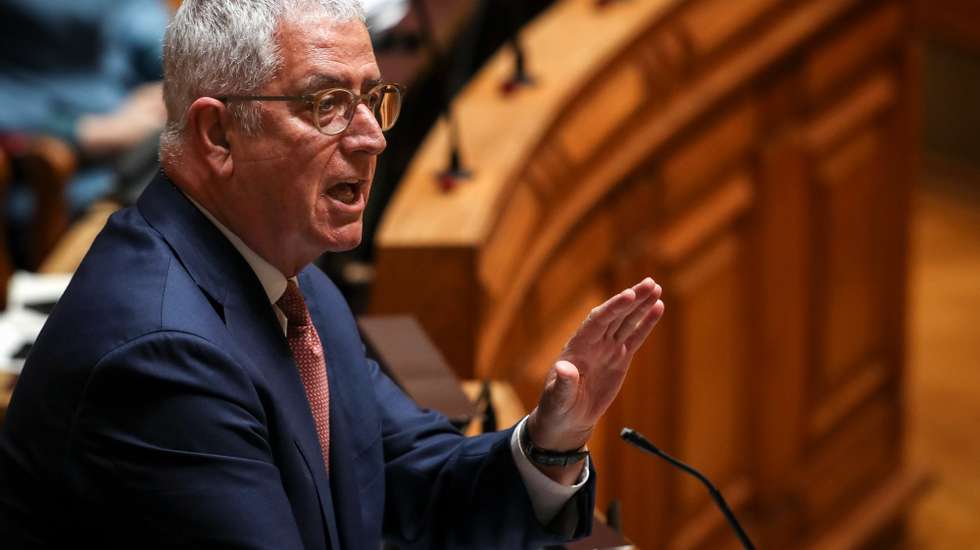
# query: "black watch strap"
546,457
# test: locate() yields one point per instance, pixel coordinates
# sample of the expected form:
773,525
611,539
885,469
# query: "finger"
620,332
646,286
643,328
647,294
617,306
601,316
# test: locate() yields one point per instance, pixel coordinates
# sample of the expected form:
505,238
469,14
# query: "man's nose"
364,133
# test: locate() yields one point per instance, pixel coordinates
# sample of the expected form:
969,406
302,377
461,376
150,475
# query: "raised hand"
590,370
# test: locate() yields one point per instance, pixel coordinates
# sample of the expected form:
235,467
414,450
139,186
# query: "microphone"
455,172
634,438
520,78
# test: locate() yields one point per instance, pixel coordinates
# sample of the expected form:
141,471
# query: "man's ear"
207,127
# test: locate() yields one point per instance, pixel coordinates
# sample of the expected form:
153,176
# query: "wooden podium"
755,157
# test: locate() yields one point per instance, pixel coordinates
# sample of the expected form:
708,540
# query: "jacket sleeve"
444,490
170,437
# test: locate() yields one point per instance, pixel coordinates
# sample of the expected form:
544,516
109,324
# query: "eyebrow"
319,82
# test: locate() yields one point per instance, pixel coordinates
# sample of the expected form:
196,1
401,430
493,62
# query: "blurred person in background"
87,72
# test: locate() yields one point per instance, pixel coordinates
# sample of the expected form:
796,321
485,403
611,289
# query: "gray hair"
228,47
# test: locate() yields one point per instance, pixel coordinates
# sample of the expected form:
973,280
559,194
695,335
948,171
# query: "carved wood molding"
546,160
720,146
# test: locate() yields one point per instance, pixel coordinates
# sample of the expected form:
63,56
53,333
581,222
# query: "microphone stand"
520,78
449,178
634,438
489,423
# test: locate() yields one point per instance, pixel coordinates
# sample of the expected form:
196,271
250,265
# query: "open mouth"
347,192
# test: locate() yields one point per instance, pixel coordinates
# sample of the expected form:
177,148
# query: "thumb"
566,384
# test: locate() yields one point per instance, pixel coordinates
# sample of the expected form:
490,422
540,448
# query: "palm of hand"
591,369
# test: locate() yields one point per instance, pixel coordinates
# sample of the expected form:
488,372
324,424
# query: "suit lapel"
267,346
226,278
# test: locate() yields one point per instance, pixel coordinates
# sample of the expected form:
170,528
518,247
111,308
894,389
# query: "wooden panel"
551,338
858,457
718,210
525,342
499,258
601,111
705,91
874,522
576,262
420,216
858,108
781,263
636,209
399,269
419,212
847,301
952,20
709,302
667,58
710,23
548,168
848,52
837,407
687,170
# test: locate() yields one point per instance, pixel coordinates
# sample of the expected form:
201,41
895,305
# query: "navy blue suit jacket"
161,407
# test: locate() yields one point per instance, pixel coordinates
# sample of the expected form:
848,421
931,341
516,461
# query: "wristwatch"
547,457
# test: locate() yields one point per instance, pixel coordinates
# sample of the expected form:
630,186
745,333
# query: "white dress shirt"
547,496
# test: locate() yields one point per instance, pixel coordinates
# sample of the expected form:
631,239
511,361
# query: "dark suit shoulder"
129,284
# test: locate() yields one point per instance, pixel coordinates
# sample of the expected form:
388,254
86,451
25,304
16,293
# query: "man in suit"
200,385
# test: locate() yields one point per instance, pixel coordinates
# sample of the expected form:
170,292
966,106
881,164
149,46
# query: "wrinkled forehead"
319,51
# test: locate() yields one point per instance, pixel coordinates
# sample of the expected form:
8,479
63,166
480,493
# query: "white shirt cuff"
548,496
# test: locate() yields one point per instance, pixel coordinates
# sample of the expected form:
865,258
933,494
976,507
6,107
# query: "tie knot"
293,306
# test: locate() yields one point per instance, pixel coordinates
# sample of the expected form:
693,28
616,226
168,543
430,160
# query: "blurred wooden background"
756,157
944,355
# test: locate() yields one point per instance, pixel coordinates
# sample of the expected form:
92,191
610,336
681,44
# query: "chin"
344,240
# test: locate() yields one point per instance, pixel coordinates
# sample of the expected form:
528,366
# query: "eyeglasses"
334,109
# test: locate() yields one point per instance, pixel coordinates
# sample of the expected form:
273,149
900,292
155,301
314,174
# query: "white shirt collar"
273,281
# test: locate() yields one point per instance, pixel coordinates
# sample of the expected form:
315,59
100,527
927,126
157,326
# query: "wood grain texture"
746,167
944,352
953,20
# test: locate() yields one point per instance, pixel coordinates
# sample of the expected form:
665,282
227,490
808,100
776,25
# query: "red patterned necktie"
307,351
